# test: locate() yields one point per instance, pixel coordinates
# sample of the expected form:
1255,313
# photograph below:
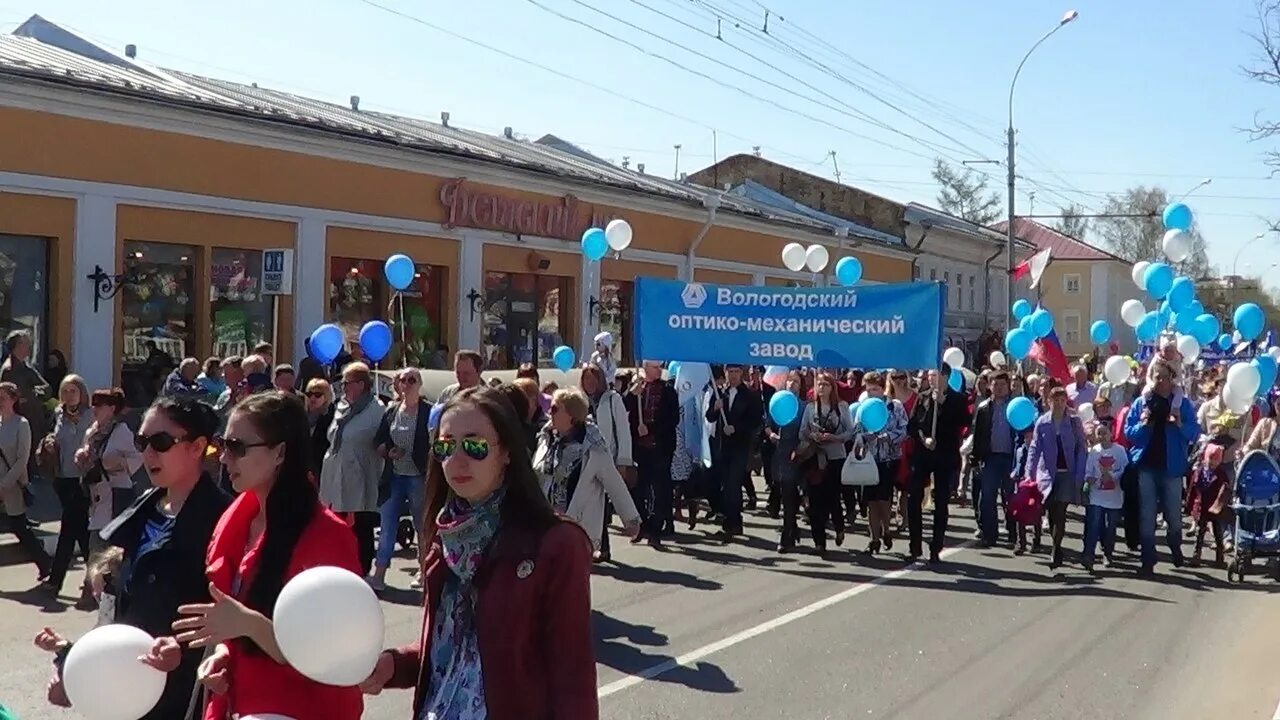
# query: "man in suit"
737,412
766,446
654,412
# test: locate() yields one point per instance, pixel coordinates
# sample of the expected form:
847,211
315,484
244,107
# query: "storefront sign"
277,272
467,205
878,326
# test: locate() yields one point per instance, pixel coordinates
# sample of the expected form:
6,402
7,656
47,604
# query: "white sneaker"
416,584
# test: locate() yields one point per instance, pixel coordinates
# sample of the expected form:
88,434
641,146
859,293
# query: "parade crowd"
256,471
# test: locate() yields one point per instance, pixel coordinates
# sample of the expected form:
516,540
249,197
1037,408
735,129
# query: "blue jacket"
1178,438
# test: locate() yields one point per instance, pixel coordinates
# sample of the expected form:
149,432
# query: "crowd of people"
255,471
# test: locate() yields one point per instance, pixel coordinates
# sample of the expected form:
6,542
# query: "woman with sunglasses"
275,529
165,533
319,399
352,467
71,421
517,643
108,454
404,441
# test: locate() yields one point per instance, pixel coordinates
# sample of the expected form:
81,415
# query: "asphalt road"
703,630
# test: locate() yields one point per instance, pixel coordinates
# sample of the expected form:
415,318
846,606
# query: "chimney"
355,102
131,51
626,161
640,168
684,177
728,187
506,133
444,118
755,149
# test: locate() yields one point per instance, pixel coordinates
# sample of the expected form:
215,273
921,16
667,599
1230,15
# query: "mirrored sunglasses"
474,447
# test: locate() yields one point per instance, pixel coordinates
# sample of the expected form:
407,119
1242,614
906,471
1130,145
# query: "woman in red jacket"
506,633
274,530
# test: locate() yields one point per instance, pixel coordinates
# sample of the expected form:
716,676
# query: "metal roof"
753,190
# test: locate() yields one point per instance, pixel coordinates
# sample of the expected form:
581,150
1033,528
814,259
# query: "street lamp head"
1069,16
1206,181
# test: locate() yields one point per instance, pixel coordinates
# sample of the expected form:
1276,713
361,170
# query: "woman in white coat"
609,412
352,468
578,471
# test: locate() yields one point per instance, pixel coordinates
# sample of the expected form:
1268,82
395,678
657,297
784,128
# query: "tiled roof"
1062,247
45,51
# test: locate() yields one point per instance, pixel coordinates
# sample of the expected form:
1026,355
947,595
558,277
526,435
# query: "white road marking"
695,655
1273,717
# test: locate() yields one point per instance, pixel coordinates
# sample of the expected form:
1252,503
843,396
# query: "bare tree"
1135,231
963,193
1073,223
1265,68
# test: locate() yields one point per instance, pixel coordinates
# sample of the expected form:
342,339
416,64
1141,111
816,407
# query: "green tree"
964,193
1134,231
1073,223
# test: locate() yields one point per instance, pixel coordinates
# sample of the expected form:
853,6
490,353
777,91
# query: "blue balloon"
1249,321
594,244
399,270
1148,328
1025,324
1018,343
375,340
1224,342
783,407
1267,371
873,414
848,271
1205,329
327,342
1041,322
1177,216
433,418
955,380
564,358
1020,412
1100,332
1184,322
1166,314
1195,308
1181,294
1157,280
1021,309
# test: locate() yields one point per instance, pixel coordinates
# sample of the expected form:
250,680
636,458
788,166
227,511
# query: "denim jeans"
1163,493
1100,524
997,472
403,487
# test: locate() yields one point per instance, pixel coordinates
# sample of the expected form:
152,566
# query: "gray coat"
349,476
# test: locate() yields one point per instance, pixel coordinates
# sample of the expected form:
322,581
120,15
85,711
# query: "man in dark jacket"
738,413
654,412
993,446
937,423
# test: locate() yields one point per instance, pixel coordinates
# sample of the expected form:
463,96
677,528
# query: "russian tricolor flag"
1048,352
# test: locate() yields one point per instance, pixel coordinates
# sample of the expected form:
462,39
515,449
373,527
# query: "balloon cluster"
1033,323
597,243
795,257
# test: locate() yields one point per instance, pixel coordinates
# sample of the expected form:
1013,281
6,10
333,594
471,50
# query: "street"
702,630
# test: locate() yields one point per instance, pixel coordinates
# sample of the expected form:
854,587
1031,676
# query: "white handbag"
859,467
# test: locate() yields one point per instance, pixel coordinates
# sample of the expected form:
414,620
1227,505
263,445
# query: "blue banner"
874,326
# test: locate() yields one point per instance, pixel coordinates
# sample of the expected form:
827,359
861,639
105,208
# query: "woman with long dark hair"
826,424
527,624
274,530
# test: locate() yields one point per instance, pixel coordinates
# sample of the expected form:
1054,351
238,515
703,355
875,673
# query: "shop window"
158,315
242,316
615,317
355,287
24,291
424,315
526,317
358,293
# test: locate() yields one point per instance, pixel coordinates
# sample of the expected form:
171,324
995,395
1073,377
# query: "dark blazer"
663,429
320,441
746,415
421,437
533,627
952,420
982,420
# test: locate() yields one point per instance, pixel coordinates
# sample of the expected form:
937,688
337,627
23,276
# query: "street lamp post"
1008,305
1235,265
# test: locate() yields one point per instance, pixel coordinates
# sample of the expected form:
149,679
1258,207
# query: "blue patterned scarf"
456,687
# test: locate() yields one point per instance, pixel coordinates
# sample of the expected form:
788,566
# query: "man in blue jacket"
1160,436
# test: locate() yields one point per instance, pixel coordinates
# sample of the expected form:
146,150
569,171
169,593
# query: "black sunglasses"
161,442
475,448
238,448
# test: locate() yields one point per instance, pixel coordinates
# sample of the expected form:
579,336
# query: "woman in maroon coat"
506,633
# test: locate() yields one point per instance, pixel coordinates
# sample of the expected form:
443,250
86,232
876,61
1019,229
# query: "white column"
470,276
93,334
310,283
590,324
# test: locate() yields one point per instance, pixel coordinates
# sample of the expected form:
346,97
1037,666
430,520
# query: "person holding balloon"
782,428
886,448
275,529
352,468
506,631
828,426
936,424
1057,461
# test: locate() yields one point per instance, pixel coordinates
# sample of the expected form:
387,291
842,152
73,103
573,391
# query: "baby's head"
1212,455
104,568
1169,350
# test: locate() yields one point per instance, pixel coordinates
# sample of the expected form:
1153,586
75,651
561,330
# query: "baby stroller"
1257,511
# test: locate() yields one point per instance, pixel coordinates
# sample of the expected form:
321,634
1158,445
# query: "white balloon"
1243,380
1189,347
954,357
1139,270
1177,245
618,233
997,359
104,679
816,258
1237,403
793,257
1086,413
1132,312
1116,369
330,626
1274,353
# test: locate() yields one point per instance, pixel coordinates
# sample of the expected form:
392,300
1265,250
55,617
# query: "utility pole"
835,164
1032,197
676,175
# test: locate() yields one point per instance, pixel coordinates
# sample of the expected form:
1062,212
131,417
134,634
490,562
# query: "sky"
1134,92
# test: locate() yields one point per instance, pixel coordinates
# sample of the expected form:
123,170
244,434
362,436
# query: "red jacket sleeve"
568,605
406,664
